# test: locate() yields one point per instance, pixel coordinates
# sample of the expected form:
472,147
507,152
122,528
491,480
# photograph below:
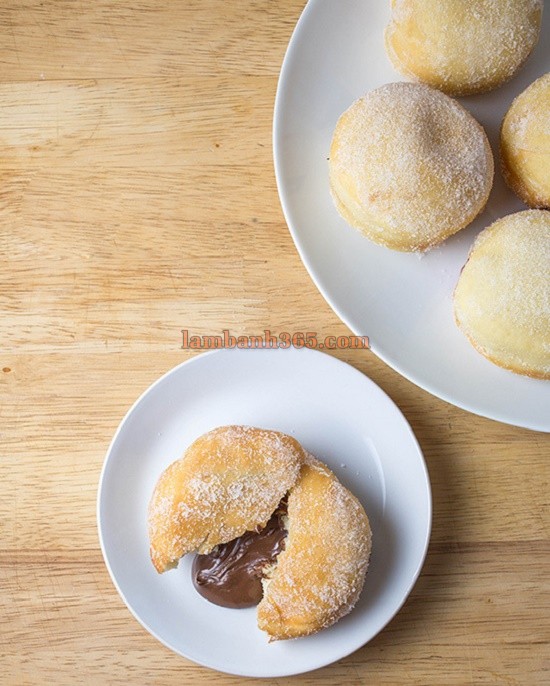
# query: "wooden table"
137,198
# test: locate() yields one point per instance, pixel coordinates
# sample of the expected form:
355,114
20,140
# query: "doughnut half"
319,575
229,481
502,299
462,46
525,144
409,166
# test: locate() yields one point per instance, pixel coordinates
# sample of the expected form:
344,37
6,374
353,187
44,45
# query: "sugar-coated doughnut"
230,480
311,558
409,166
502,299
462,46
525,144
319,575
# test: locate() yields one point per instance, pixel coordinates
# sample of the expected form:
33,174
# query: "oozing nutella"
231,575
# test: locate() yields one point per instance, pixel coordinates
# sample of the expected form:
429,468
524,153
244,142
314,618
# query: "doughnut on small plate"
402,301
337,414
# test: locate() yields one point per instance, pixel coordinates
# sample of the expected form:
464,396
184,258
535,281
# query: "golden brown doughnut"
525,144
319,575
462,46
502,299
409,166
230,480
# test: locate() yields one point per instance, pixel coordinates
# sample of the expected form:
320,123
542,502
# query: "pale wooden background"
137,197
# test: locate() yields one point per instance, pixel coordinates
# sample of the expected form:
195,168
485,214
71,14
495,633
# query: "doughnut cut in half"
230,480
319,575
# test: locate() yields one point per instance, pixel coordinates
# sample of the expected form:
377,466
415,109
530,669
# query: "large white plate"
403,302
337,414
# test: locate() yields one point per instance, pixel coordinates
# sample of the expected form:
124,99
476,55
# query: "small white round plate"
403,302
340,416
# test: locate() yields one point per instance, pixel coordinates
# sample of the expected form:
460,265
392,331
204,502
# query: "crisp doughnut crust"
229,481
409,166
502,299
462,46
525,144
319,575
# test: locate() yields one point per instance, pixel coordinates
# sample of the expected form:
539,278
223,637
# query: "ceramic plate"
337,414
403,302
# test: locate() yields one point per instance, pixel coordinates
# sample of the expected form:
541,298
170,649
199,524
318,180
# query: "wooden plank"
65,39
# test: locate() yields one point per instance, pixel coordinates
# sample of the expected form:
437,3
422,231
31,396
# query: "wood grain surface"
137,198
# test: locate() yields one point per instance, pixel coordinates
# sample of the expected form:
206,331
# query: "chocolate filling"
231,575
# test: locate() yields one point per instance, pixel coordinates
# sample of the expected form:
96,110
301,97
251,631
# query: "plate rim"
278,169
421,463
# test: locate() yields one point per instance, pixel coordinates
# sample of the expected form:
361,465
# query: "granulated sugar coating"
502,299
409,166
462,46
229,481
525,144
320,574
